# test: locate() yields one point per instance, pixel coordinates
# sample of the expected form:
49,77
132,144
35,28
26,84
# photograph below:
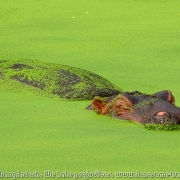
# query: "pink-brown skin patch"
100,105
171,98
119,105
162,114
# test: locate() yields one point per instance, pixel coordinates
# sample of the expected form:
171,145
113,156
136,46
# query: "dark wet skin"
158,108
146,110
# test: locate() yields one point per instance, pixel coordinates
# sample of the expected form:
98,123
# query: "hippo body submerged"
78,84
55,79
158,108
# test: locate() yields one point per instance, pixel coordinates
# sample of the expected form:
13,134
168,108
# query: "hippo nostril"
162,114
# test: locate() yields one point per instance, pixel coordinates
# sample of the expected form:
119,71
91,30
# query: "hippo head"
158,108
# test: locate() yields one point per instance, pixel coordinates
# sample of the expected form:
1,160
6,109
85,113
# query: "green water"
133,43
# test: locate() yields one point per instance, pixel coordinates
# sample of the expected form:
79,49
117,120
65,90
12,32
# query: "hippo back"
60,80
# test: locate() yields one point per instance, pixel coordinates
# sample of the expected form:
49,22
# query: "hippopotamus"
158,108
78,84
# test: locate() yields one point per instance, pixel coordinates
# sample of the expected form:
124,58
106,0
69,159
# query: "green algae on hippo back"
55,79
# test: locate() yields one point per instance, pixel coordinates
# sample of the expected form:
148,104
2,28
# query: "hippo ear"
99,105
165,95
122,105
171,98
